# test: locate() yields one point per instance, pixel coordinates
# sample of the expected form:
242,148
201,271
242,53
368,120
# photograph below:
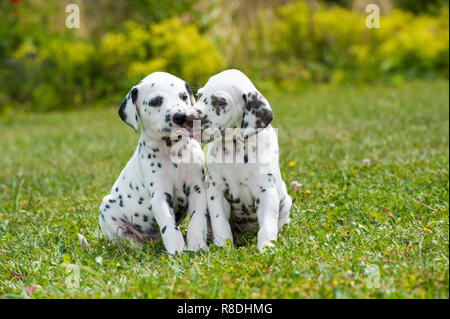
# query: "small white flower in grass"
99,259
366,162
296,185
83,242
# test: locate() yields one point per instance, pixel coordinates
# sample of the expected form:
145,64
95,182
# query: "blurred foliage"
278,43
300,43
417,7
157,10
61,71
169,46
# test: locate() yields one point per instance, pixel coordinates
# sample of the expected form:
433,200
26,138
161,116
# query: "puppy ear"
191,95
257,113
127,110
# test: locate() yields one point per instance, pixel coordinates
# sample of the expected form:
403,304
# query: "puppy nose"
179,118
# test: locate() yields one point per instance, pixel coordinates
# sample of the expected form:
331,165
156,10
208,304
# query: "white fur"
240,191
138,208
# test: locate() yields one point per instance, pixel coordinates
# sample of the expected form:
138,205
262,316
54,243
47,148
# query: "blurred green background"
363,122
279,44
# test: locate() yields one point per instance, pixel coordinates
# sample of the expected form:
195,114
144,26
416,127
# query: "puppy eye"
156,101
183,96
218,101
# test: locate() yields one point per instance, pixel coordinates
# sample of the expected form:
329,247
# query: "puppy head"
159,102
229,100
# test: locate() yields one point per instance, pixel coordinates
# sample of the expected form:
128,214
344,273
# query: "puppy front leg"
219,213
197,229
171,235
267,211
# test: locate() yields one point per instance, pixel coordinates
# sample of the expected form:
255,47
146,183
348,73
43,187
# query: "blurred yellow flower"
425,228
292,163
334,282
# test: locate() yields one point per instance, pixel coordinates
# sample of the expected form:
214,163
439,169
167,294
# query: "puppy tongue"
186,133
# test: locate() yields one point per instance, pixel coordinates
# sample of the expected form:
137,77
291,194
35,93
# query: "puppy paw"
222,241
282,222
175,245
196,245
265,246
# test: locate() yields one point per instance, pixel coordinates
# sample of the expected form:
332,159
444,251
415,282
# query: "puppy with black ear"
157,187
245,191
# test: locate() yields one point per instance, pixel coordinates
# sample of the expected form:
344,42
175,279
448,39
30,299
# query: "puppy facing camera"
153,193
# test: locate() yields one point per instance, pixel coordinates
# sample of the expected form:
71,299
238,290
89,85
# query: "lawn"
371,220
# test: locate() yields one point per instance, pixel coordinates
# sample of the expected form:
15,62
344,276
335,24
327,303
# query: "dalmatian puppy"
155,190
245,191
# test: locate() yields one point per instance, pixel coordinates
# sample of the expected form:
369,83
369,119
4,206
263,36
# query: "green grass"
55,169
